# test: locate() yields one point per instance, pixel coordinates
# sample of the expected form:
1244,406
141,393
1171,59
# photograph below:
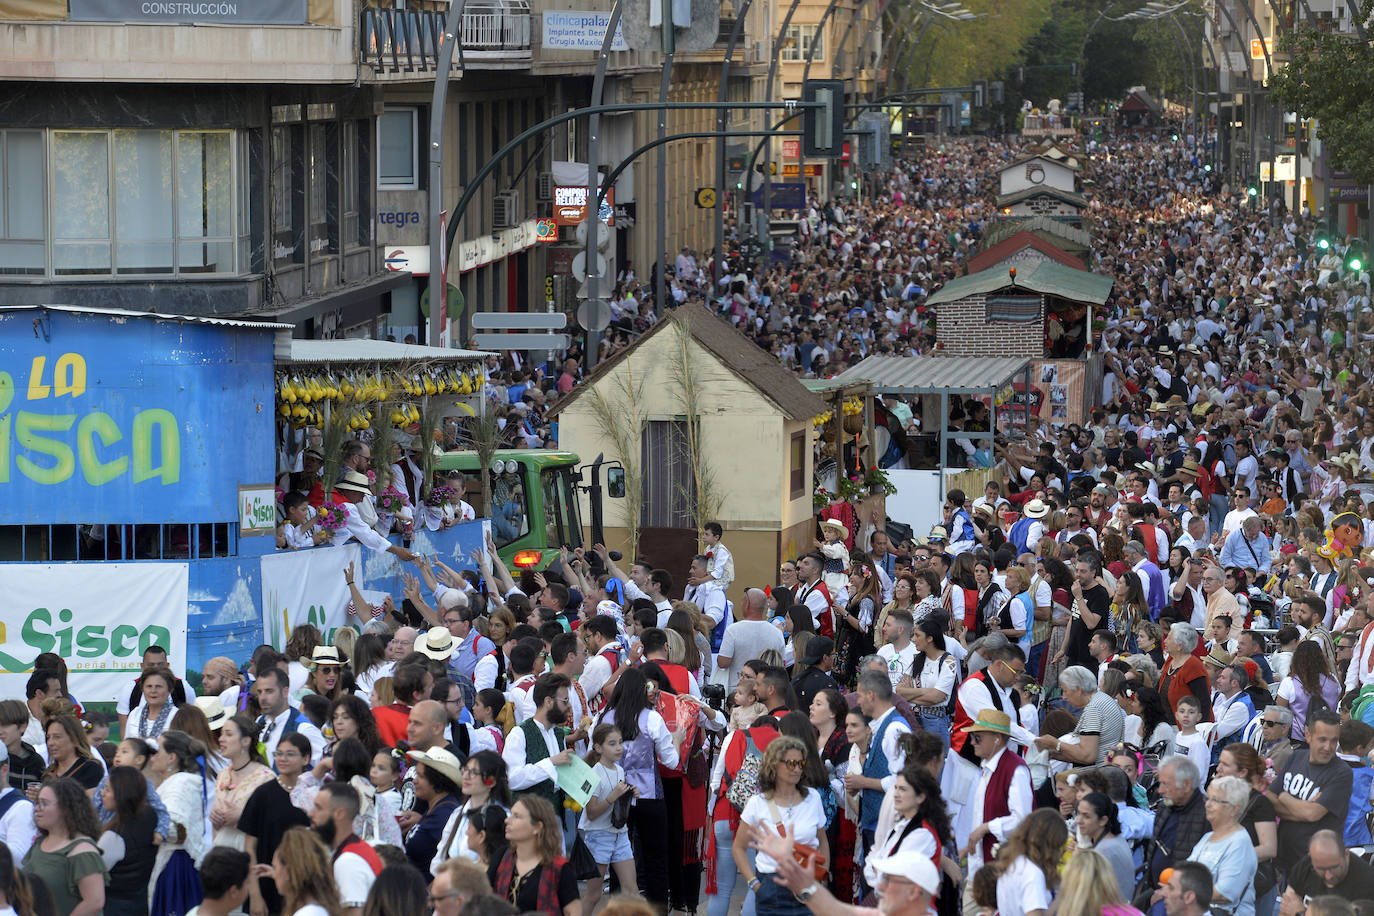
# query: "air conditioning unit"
543,188
506,213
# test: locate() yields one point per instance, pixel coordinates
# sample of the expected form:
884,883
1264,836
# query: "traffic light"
1073,68
854,186
823,127
1252,191
1354,263
1323,243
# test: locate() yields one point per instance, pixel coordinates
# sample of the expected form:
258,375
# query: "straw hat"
838,526
1218,656
441,761
437,643
324,655
1189,467
938,533
991,720
214,711
1036,509
353,482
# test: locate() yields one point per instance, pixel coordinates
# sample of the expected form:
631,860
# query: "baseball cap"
912,866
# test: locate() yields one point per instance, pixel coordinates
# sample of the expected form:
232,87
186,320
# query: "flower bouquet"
333,517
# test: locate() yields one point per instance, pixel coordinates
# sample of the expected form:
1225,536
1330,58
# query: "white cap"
914,867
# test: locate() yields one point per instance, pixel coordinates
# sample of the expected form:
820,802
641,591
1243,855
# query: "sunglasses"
794,765
1267,724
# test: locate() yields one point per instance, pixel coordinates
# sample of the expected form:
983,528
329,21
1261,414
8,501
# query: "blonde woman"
1090,888
304,875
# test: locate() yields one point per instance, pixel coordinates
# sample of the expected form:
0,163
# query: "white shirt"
898,660
722,565
1230,716
974,698
1361,671
709,599
485,671
521,693
272,732
356,529
1021,889
1019,804
524,775
354,879
896,757
744,641
1235,518
16,827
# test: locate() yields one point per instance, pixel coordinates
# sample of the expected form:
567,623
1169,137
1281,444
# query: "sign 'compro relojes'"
98,616
130,422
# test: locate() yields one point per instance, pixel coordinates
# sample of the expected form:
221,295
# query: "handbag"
802,853
582,862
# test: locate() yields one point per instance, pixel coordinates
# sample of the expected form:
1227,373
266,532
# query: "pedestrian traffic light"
1354,264
823,126
854,186
1323,242
1252,191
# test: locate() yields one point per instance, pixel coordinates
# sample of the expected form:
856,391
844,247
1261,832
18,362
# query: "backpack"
744,785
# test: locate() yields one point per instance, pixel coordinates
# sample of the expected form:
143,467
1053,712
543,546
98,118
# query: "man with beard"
536,746
356,865
1099,510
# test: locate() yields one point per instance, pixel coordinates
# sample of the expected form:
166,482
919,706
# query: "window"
321,165
796,465
398,166
348,184
22,233
288,195
797,44
668,495
143,202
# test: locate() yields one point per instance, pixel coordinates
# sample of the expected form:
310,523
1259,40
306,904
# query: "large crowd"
1132,675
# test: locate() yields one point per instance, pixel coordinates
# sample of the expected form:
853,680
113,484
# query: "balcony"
401,44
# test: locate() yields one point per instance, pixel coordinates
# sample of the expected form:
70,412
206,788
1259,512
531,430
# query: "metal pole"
722,113
593,155
820,26
471,188
768,93
691,135
661,217
438,269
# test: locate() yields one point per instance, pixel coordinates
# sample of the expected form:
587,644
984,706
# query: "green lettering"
27,432
69,376
97,472
90,642
169,450
6,397
119,640
35,637
153,636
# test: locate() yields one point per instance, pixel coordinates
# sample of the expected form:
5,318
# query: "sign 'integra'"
230,12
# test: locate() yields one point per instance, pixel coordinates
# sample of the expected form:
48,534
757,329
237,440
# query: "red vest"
363,851
997,796
958,738
1150,534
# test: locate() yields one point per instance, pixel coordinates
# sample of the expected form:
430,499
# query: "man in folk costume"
815,595
536,746
603,661
354,493
1003,797
992,688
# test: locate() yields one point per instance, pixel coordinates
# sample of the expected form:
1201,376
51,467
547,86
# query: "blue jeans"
937,725
727,874
776,900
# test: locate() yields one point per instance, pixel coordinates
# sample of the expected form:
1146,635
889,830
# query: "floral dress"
232,789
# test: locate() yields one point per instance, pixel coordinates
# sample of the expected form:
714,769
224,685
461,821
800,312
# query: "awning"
1048,278
362,350
342,299
914,375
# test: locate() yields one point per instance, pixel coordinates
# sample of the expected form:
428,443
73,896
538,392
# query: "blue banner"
131,420
225,614
787,195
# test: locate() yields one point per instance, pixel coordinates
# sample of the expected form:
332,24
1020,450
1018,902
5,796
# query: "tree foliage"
1329,78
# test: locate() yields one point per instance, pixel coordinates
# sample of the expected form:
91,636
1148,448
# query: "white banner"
306,586
98,616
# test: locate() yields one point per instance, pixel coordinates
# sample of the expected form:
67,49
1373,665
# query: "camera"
715,696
